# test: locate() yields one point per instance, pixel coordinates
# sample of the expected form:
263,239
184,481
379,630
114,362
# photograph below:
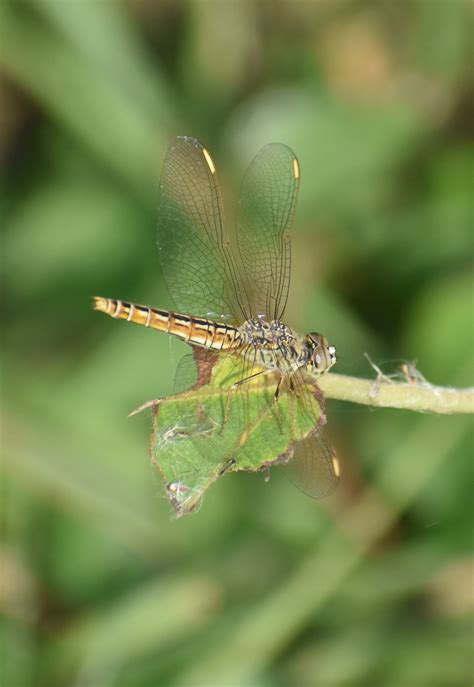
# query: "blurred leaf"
450,22
267,628
346,155
91,564
439,331
235,47
343,328
82,485
442,655
331,659
430,232
149,619
55,235
123,56
123,136
20,654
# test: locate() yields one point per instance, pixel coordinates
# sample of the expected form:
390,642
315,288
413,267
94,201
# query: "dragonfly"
230,300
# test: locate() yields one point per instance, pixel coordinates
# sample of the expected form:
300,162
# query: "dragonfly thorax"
277,347
260,332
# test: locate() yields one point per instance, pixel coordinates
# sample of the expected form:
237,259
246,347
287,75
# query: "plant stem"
387,393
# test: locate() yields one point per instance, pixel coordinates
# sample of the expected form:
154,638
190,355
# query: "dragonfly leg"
227,466
277,407
277,390
247,379
233,388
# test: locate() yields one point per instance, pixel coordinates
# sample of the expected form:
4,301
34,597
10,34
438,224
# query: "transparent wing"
234,416
191,373
194,250
229,397
186,375
267,205
186,443
199,434
314,468
194,369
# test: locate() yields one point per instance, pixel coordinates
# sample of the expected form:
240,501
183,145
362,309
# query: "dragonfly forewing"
267,206
200,271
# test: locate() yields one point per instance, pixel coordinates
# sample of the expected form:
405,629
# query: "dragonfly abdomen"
195,330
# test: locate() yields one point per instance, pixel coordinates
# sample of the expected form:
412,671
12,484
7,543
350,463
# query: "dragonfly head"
321,356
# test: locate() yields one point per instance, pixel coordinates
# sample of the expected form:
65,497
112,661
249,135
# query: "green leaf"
212,429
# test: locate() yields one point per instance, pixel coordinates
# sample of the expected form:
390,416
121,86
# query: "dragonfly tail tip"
99,303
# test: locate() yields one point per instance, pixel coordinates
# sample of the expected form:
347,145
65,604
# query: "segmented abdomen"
194,330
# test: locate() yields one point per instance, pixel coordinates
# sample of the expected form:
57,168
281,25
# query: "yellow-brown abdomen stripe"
195,330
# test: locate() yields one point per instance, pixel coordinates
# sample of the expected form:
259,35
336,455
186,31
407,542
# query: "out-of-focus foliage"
262,586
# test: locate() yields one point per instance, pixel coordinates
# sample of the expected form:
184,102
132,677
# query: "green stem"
386,393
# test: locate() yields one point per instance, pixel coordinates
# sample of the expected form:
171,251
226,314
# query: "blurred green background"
263,587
